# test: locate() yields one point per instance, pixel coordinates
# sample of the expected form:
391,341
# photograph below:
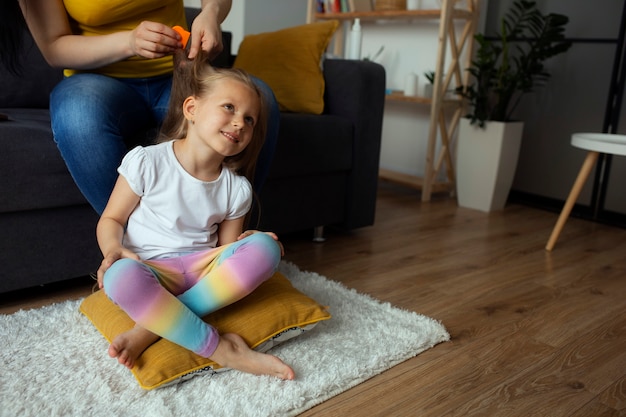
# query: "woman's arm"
206,33
220,8
110,229
48,23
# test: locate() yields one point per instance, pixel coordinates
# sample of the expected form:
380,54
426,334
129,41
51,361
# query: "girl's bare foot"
128,346
233,352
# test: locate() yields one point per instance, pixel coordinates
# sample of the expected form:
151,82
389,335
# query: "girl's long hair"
12,31
197,78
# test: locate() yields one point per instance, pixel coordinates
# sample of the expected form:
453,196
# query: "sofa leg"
318,234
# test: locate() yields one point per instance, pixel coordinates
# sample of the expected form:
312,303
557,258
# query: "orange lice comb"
183,34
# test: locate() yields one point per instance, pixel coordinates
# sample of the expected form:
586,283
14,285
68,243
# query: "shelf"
399,96
393,14
412,181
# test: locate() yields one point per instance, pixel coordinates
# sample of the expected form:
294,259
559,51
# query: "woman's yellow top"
101,17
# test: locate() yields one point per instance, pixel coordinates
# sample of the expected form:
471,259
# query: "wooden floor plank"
596,409
614,396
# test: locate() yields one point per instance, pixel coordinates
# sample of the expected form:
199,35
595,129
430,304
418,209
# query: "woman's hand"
154,40
272,234
110,258
206,33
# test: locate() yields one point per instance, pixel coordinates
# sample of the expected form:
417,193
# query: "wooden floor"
533,333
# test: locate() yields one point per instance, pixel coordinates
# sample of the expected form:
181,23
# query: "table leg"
588,164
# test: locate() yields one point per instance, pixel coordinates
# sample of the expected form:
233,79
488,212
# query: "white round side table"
595,144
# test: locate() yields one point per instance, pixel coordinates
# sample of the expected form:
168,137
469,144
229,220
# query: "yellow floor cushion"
273,313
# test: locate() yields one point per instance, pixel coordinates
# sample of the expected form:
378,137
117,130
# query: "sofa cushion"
289,61
40,247
314,200
32,170
312,145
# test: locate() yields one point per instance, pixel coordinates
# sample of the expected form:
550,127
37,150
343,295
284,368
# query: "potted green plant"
505,68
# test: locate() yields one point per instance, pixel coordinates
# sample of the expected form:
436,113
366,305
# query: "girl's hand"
154,40
272,234
110,258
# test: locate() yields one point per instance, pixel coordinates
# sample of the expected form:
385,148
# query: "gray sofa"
324,172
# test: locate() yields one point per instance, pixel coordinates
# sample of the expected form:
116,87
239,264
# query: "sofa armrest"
356,90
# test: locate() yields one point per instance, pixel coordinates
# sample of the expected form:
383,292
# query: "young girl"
171,234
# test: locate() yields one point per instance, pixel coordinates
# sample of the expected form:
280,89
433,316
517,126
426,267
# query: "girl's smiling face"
224,119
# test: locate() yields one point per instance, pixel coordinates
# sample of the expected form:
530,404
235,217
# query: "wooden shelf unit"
444,113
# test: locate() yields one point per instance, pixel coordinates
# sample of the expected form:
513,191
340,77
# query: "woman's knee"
271,139
86,105
81,102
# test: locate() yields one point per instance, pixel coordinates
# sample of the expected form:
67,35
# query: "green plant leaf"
511,64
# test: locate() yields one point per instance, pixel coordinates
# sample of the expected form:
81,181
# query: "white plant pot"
486,160
428,90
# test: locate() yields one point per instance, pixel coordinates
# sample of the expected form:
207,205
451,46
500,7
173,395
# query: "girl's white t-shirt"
177,213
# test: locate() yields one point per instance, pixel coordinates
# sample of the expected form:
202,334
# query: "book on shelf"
344,6
360,5
329,6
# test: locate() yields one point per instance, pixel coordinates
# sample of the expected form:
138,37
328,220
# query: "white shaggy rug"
54,362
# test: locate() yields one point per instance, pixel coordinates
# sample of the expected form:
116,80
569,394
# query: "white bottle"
354,41
413,4
410,85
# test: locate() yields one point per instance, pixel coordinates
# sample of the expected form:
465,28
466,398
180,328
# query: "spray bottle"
354,42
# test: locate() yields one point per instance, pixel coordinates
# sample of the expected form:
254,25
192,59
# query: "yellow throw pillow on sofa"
272,314
289,61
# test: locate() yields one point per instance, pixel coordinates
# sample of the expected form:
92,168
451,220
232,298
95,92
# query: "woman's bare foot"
233,352
128,346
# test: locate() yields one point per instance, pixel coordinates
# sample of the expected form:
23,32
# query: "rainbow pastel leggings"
169,296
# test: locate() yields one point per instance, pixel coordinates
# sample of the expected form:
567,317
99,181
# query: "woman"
118,65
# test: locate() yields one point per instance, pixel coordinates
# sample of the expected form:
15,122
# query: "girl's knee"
258,249
122,276
266,245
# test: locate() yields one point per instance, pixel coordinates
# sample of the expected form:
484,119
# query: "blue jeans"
96,119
